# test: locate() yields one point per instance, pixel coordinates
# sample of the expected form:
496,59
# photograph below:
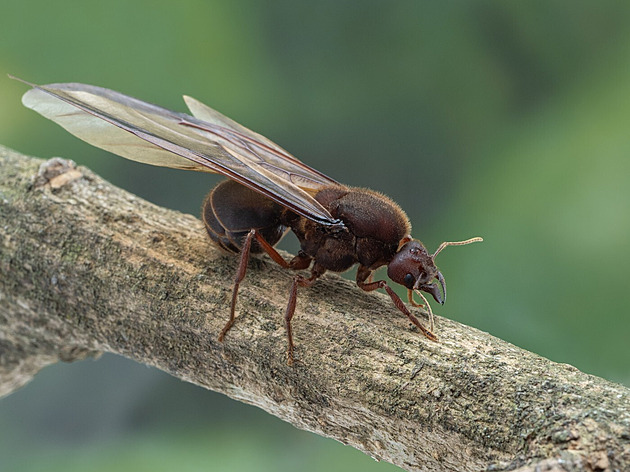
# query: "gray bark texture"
87,268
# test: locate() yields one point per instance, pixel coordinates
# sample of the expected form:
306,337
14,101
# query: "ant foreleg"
364,274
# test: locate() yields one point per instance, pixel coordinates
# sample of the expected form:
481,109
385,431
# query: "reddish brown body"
374,228
270,191
374,225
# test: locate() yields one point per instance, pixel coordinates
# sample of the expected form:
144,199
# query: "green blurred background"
507,120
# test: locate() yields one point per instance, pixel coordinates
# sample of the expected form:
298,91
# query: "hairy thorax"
374,225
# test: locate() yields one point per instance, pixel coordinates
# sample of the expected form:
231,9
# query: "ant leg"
301,261
298,281
364,274
240,275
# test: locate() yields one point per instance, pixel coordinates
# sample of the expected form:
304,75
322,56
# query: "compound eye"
409,281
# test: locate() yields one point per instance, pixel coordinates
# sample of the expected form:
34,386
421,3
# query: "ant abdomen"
231,210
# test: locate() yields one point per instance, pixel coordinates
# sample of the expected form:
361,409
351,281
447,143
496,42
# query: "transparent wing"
154,135
265,152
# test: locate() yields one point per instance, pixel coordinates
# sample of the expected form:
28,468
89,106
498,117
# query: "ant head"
415,268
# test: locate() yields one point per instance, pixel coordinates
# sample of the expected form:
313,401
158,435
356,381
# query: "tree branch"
87,268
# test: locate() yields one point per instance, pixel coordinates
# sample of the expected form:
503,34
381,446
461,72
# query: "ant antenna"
429,311
455,243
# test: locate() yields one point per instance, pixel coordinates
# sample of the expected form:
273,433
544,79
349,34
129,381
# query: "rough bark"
87,268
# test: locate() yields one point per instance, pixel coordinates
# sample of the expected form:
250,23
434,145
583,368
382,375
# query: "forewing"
154,135
263,151
210,115
103,127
